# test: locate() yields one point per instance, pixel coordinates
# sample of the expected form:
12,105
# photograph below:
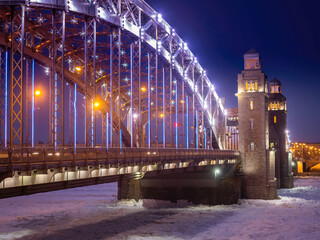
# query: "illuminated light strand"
163,107
33,107
187,120
92,123
131,95
6,103
55,109
197,132
177,124
149,104
205,137
107,131
75,118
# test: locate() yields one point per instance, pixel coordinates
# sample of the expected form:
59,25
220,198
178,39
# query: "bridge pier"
129,189
287,175
199,185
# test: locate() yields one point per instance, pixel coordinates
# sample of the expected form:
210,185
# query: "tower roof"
252,54
252,60
252,51
275,81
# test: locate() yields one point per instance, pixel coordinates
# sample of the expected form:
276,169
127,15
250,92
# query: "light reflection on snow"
16,234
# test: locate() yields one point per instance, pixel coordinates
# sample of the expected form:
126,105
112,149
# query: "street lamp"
96,104
216,172
37,92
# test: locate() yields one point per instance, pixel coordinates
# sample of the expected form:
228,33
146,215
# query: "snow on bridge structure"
127,101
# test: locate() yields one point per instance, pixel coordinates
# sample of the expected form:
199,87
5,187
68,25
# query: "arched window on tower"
251,124
275,86
272,89
252,146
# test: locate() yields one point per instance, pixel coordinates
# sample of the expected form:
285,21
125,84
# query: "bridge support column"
203,185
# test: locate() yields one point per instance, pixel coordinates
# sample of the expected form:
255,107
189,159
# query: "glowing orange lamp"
37,92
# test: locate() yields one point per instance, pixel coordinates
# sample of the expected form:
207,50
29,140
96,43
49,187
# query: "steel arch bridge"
118,75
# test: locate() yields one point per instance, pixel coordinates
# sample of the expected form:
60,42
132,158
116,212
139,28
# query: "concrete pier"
202,185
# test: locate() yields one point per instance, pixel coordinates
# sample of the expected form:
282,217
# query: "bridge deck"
31,170
21,159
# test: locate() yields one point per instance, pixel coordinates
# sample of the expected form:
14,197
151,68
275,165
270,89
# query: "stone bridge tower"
258,161
278,139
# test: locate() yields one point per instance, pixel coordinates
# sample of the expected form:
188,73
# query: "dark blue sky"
285,33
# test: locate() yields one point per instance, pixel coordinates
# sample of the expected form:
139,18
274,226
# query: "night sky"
285,33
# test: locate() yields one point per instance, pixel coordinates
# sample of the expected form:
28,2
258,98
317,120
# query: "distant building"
232,136
306,156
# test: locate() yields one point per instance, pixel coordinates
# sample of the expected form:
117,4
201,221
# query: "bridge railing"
54,155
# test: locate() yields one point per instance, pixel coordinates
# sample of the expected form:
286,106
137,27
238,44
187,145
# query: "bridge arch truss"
116,75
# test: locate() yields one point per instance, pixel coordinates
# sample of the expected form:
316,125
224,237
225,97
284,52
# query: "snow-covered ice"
93,213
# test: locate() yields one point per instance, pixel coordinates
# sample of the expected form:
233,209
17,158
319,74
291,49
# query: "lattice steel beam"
90,44
3,96
57,79
17,75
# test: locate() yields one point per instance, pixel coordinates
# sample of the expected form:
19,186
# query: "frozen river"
93,213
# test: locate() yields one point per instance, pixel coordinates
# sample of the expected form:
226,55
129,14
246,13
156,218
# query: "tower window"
251,104
252,147
278,106
275,119
251,88
248,65
255,86
246,86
